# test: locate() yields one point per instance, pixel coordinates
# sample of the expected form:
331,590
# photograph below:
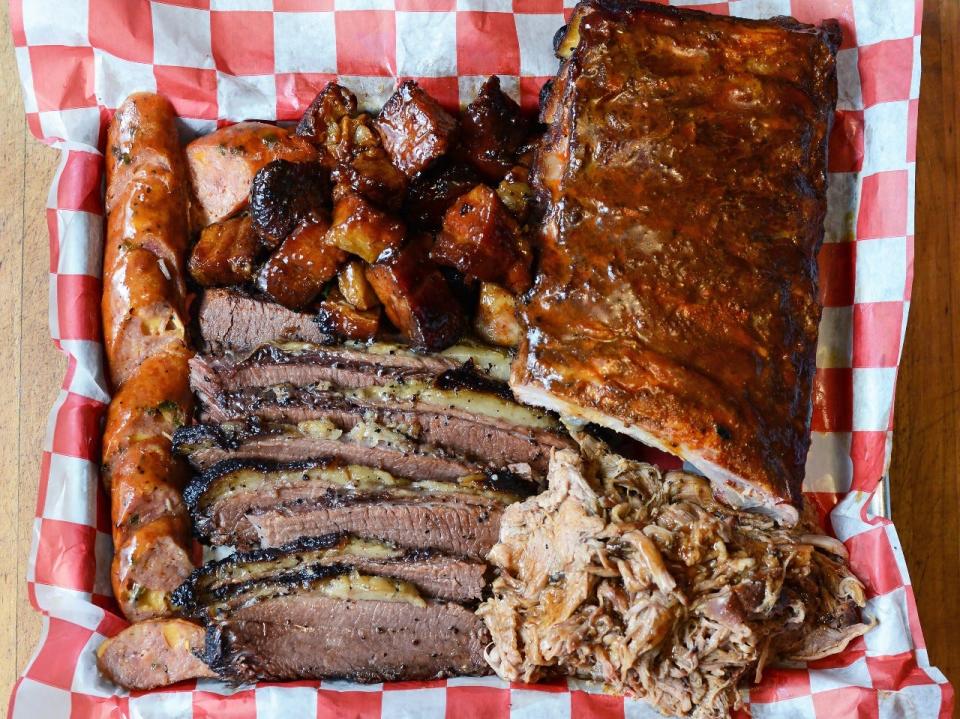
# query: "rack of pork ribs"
355,439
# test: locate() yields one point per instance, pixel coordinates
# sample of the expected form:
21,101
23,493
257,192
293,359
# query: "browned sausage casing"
144,327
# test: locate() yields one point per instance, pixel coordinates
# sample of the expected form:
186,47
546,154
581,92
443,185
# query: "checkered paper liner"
227,60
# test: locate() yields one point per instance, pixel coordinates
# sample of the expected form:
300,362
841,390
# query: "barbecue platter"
400,369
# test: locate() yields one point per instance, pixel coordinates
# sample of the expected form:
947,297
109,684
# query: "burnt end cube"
225,253
331,104
416,297
373,175
304,263
284,194
339,318
433,191
363,164
483,241
361,229
493,131
415,130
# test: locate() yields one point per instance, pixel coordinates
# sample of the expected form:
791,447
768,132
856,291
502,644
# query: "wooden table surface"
926,455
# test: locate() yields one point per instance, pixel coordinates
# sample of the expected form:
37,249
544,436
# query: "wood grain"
925,472
11,261
31,369
926,457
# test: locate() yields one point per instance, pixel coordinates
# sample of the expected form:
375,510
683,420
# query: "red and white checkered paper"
227,60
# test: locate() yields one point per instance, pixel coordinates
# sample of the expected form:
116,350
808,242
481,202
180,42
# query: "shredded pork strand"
645,582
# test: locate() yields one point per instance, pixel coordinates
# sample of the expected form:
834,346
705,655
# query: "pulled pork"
648,584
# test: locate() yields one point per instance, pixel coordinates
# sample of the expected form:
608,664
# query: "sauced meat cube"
516,193
225,253
298,270
496,318
331,104
350,146
415,130
340,318
354,287
362,163
493,130
416,297
482,240
433,191
284,194
361,229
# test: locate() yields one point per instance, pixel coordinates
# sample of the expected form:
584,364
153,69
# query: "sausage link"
151,404
146,311
144,307
145,296
149,564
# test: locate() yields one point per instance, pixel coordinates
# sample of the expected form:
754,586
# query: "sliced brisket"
338,365
345,365
206,444
494,442
434,574
446,525
230,320
248,504
308,635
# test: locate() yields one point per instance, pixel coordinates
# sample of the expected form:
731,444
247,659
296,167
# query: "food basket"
226,60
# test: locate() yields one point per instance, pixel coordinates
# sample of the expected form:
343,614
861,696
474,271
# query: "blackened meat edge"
434,574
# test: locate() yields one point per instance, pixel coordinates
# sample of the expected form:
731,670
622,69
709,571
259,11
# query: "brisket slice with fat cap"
684,176
250,504
481,427
435,575
234,322
372,445
344,365
309,635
